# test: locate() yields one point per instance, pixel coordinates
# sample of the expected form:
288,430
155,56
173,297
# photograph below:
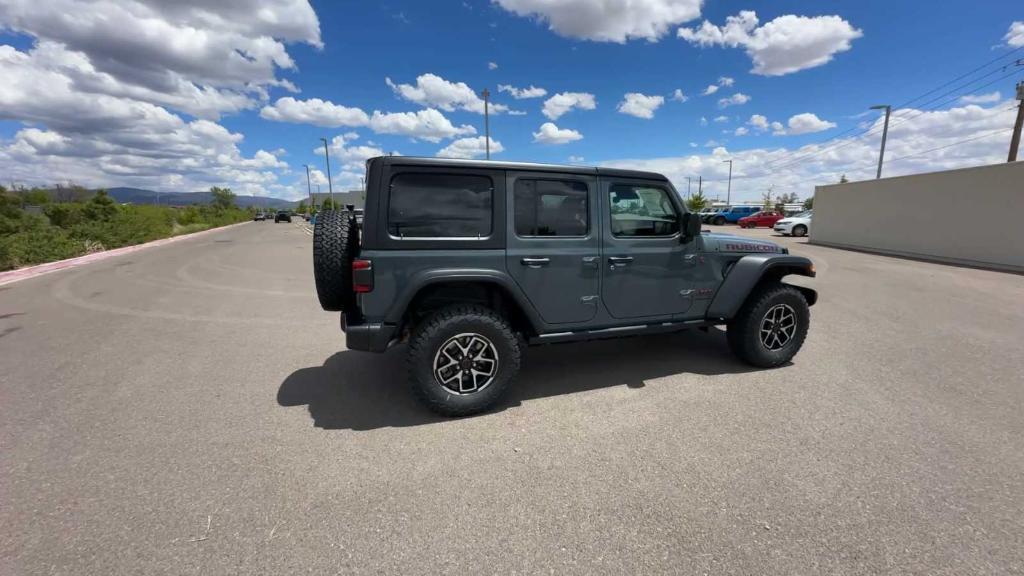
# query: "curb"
19,274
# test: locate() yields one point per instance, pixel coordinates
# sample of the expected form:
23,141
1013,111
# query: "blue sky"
163,100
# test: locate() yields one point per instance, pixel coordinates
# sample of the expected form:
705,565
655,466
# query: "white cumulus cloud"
469,148
1015,35
711,89
563,102
522,93
607,20
759,122
784,45
427,124
432,91
314,111
982,98
640,105
725,81
551,134
807,123
678,95
741,131
736,99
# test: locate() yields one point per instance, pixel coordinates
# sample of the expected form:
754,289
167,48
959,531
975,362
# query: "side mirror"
691,226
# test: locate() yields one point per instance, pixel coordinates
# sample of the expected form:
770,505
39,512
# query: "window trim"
668,194
477,238
515,230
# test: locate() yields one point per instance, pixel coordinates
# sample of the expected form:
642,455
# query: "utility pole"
885,133
700,185
688,187
487,122
309,188
330,187
1015,139
728,193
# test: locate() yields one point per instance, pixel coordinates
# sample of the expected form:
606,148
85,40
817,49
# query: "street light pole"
728,193
885,134
688,187
330,187
309,189
487,122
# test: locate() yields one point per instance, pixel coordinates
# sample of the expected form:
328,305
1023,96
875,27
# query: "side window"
642,211
440,206
551,208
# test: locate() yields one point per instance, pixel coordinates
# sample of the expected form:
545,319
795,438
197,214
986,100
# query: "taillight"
362,276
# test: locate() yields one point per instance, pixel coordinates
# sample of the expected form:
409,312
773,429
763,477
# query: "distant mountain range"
142,196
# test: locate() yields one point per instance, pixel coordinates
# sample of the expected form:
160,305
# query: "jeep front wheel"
461,359
771,325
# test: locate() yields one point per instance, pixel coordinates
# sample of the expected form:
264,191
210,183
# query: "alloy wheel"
778,327
466,363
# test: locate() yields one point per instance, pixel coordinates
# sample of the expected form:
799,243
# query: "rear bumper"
368,337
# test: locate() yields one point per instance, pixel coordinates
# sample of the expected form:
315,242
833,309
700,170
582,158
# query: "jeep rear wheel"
461,359
335,245
771,326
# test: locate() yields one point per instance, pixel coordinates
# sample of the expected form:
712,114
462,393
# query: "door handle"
535,262
590,261
614,261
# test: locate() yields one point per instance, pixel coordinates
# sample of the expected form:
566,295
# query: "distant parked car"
706,213
798,225
259,217
732,214
766,218
283,216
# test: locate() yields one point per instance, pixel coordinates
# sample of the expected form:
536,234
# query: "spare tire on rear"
335,245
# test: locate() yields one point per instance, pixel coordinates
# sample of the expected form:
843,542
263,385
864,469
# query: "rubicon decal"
751,248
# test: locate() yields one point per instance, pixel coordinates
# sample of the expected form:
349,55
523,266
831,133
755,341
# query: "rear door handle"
535,262
619,260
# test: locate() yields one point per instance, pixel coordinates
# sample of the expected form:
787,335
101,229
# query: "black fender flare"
748,271
423,279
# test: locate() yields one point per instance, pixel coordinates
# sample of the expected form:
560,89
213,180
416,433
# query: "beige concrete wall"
972,216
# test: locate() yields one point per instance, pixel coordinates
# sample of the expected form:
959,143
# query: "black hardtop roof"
524,166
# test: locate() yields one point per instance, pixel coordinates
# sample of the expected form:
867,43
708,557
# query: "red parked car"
762,218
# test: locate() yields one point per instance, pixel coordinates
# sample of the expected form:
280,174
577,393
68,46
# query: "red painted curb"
40,269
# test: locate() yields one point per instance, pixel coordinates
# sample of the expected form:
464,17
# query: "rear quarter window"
440,206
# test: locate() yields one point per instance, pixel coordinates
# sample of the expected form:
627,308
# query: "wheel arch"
753,269
435,289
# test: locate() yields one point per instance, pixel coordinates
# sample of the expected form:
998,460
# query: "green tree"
301,208
327,204
223,198
697,202
809,203
842,179
101,207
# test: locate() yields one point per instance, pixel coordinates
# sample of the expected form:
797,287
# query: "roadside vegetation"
35,227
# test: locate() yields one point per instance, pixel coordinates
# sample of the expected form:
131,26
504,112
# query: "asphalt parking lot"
189,409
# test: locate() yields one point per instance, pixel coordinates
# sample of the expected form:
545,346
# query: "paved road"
190,410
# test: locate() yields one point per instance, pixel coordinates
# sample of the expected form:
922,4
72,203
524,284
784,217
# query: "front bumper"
783,228
368,337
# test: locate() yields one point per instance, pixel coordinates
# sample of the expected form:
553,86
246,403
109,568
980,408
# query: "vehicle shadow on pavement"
361,391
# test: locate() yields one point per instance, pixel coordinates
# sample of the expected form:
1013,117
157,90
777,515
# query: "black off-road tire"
720,221
438,329
335,245
799,230
745,330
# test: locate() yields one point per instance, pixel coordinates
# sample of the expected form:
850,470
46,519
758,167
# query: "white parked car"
798,225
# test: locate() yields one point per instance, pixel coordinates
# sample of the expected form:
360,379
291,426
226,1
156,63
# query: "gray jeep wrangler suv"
468,261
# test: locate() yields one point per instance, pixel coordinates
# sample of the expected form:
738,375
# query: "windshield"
806,214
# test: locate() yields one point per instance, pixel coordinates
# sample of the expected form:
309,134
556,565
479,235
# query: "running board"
618,331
